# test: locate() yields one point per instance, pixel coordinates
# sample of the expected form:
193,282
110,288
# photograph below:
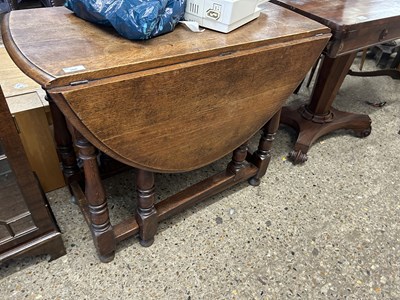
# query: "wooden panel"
39,147
344,12
371,33
186,116
10,197
355,24
63,40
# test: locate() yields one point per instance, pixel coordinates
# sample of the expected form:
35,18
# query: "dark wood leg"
102,231
313,69
238,161
319,118
262,156
146,214
64,144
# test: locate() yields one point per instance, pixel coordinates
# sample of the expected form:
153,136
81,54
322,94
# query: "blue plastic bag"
4,6
133,19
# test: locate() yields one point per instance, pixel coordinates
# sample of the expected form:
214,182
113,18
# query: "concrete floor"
329,229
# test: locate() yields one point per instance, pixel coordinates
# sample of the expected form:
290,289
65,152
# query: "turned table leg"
146,214
262,156
238,161
64,144
319,118
102,231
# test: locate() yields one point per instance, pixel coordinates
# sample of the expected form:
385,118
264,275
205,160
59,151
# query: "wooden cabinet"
27,226
31,113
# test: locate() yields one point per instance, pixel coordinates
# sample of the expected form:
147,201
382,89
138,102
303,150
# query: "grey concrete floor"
328,229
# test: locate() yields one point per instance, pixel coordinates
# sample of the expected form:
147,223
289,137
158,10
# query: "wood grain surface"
44,41
355,24
173,103
182,117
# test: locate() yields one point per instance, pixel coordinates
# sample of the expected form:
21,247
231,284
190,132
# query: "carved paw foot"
363,133
297,157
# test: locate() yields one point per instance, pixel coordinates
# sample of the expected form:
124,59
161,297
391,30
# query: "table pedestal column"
319,117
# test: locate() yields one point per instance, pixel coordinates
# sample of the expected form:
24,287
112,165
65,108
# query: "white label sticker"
74,69
20,86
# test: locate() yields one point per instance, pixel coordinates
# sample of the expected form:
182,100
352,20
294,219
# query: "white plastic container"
222,15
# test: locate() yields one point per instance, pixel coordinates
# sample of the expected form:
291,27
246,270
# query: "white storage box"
222,15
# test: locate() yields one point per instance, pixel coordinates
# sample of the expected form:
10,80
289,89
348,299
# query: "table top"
54,45
348,20
173,103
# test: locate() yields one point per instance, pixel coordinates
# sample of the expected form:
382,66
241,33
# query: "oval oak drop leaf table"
171,104
355,25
